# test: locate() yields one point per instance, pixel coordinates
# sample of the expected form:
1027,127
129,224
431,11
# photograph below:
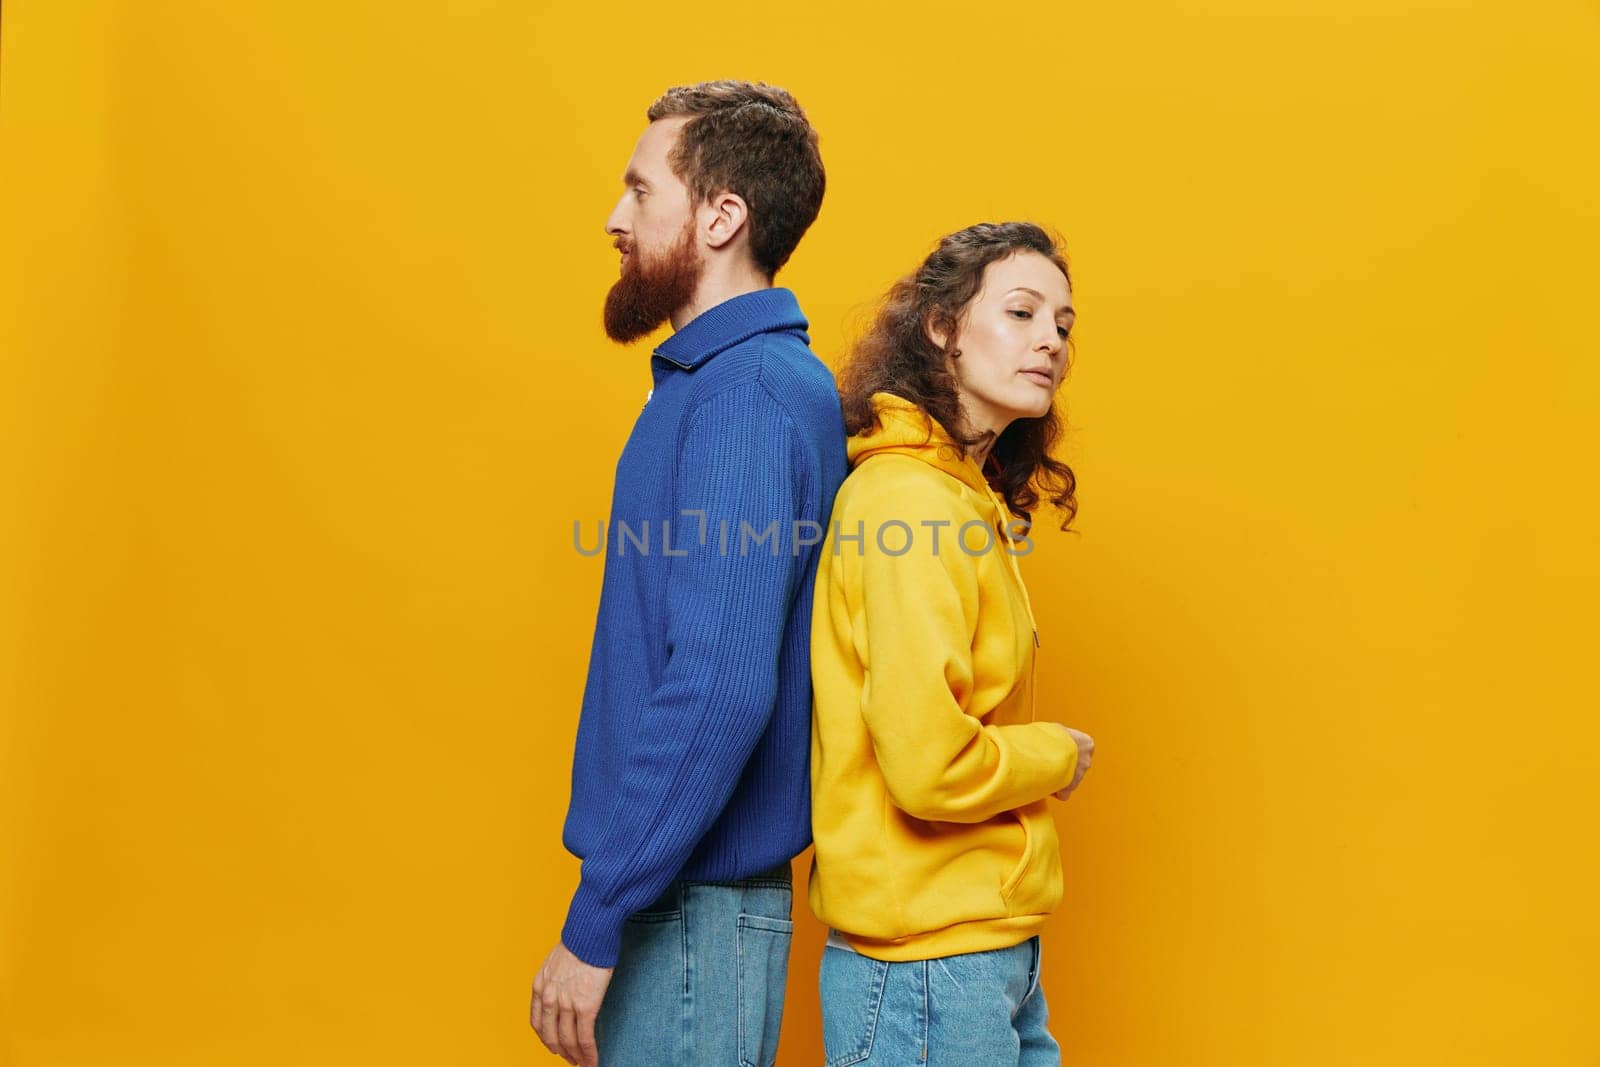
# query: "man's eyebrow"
1066,309
633,177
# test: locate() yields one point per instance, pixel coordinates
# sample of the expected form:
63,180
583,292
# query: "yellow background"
304,385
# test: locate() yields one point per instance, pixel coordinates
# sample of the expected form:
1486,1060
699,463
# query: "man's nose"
616,225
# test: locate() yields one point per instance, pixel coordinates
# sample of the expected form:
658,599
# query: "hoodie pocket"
1034,885
1029,850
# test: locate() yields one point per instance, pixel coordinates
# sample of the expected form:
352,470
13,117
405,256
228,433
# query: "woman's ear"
934,327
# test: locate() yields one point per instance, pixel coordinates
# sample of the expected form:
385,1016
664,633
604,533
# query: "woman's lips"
1039,377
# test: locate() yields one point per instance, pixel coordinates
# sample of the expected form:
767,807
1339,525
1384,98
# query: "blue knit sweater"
694,741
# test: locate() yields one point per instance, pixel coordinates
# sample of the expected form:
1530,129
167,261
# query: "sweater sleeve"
939,760
739,463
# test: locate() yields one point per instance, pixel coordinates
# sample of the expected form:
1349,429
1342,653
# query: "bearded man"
690,779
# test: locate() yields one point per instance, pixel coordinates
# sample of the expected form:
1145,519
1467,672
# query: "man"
690,788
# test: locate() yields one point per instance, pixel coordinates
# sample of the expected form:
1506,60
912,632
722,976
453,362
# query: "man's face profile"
654,227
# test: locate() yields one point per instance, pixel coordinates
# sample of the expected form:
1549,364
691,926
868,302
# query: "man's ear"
728,215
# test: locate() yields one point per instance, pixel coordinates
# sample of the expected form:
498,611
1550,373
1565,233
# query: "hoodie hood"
905,429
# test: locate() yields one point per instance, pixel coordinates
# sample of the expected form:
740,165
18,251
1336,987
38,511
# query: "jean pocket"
763,948
852,995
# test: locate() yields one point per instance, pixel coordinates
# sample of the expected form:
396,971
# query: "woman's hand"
1085,757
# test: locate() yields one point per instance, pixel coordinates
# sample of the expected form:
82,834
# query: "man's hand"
566,998
1085,757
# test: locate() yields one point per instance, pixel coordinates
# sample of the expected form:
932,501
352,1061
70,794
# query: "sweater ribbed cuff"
593,931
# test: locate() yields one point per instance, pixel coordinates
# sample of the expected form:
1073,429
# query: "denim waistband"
782,873
778,877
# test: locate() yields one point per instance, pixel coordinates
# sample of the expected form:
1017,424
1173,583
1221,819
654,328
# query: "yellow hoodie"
930,781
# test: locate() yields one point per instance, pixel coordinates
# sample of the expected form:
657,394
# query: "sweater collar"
734,320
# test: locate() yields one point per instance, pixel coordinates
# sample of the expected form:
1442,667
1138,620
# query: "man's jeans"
700,978
980,1009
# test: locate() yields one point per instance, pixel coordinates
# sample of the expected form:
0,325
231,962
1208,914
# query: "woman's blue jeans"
979,1009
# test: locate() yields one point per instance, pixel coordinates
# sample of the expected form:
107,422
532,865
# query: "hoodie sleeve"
939,760
740,463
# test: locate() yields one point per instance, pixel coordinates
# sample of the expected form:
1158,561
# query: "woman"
936,857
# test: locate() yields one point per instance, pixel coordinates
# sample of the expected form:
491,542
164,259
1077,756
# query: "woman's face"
1013,342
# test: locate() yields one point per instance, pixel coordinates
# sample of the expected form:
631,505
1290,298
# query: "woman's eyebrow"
1064,310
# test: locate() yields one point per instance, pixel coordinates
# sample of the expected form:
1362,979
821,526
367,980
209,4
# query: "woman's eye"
1062,330
1022,314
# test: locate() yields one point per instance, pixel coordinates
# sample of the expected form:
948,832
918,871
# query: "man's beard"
650,290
